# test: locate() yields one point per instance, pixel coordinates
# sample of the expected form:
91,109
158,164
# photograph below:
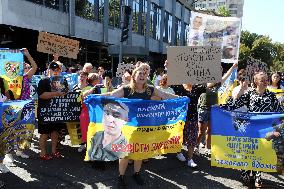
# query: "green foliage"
277,66
244,55
264,50
279,47
223,11
248,38
84,9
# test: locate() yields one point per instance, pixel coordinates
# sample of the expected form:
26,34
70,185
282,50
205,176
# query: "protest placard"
194,65
121,67
11,70
62,109
54,44
224,32
253,66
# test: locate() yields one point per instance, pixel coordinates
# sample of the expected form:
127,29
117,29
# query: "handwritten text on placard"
194,65
54,44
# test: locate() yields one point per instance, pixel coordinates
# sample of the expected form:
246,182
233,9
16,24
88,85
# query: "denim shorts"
203,115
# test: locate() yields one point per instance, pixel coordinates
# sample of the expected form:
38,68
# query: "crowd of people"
137,84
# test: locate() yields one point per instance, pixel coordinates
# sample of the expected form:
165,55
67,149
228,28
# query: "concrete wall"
87,29
29,15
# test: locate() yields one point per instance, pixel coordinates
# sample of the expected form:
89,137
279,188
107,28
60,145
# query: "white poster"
224,32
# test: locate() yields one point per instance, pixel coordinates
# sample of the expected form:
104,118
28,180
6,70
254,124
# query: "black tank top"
145,95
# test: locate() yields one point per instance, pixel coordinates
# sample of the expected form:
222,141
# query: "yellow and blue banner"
239,140
136,128
17,123
225,91
11,70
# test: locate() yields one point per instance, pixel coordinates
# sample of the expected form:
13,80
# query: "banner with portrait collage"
247,141
136,128
224,32
11,70
17,124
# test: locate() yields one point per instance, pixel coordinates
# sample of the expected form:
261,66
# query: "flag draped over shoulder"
225,91
243,140
11,70
17,122
135,128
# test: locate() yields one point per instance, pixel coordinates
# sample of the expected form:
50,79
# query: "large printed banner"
55,44
136,128
224,32
17,123
246,141
225,91
194,65
11,70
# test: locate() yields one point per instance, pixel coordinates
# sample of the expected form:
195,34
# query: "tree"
264,50
248,38
279,47
223,11
244,54
277,66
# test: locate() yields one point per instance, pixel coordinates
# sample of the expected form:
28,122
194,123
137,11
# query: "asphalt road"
71,172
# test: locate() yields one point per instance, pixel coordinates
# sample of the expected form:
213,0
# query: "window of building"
186,34
231,6
178,33
221,3
85,9
61,5
114,13
144,17
135,15
233,12
158,25
170,25
101,10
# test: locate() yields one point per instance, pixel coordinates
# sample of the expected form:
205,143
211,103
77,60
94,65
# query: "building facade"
234,6
154,25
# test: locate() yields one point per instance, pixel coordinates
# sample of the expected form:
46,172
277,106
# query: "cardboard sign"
121,67
194,65
253,66
54,44
62,109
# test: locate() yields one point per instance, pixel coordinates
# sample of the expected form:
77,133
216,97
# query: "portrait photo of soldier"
115,116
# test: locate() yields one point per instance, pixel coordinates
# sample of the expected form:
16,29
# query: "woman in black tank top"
137,89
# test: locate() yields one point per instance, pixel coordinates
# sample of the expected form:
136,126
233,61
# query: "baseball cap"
53,65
